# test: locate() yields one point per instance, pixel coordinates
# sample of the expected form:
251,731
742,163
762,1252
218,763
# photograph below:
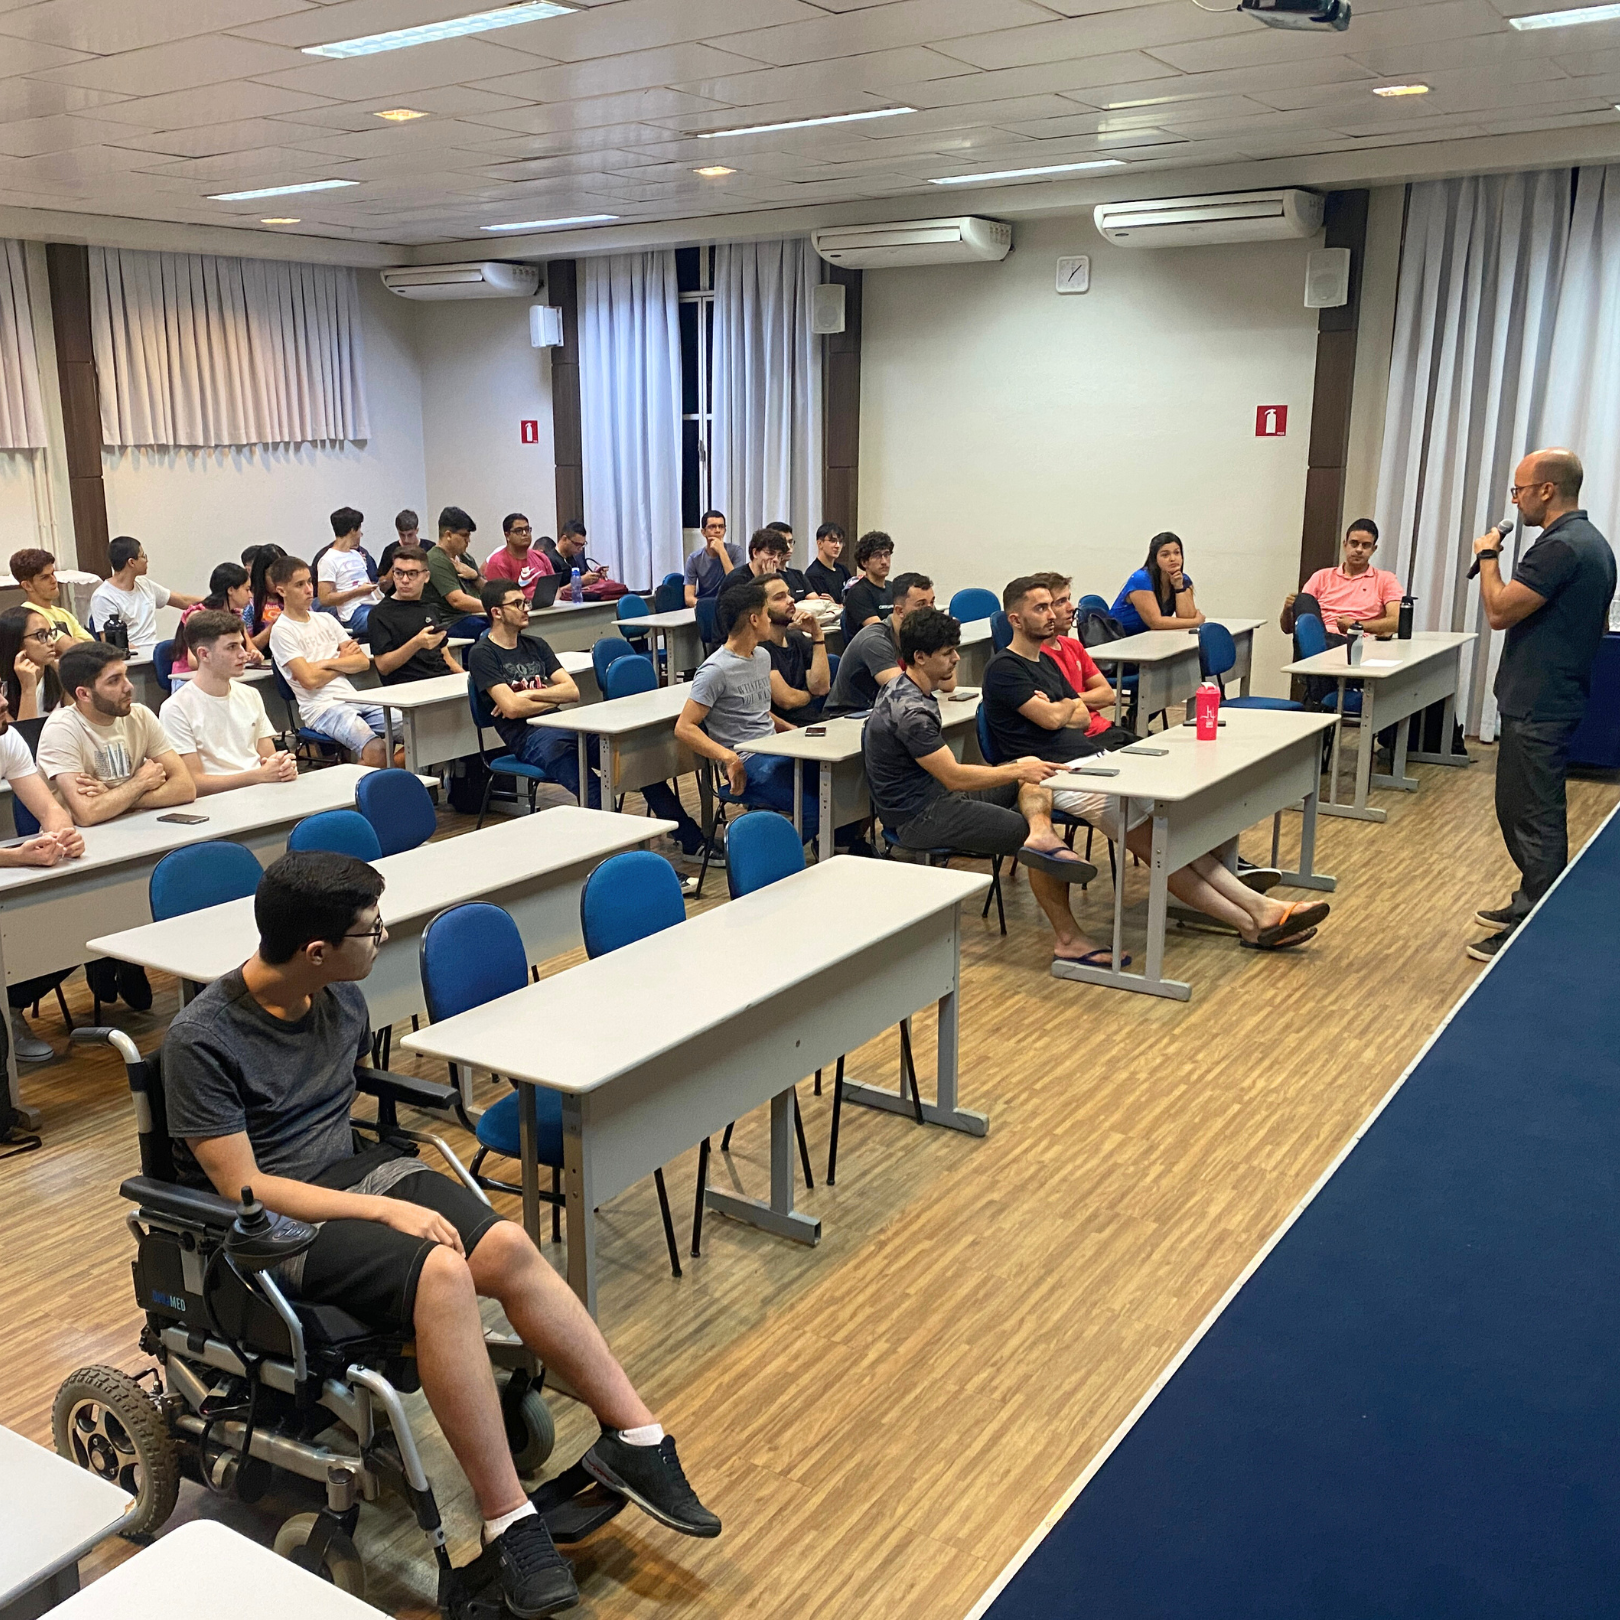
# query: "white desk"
571,627
677,632
653,1050
254,672
1397,679
53,1512
203,1571
49,913
1167,664
976,651
1202,795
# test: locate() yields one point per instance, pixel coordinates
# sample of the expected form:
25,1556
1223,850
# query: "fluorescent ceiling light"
479,22
279,191
805,123
1024,174
281,222
550,224
1566,19
1401,90
400,115
714,170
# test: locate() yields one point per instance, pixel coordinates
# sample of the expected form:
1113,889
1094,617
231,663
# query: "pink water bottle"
1208,699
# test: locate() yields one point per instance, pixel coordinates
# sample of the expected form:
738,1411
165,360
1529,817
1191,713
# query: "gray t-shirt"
229,1066
904,728
855,687
737,693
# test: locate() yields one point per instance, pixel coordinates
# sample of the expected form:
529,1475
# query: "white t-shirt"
15,760
136,608
319,636
343,570
111,753
224,732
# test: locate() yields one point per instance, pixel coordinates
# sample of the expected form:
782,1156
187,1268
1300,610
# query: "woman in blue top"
1159,595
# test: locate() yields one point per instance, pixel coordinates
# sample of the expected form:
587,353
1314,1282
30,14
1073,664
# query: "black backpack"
1092,627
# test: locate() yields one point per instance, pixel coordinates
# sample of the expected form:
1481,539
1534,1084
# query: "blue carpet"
1412,1409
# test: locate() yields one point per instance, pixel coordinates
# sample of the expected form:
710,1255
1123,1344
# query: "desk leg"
1448,719
529,1145
798,798
388,731
779,1216
413,749
824,828
29,1117
1398,779
1306,877
584,770
579,1193
1366,744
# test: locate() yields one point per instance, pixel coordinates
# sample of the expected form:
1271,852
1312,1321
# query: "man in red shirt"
1071,657
1353,593
519,560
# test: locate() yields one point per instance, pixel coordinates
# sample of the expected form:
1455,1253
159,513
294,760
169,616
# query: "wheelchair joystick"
257,1239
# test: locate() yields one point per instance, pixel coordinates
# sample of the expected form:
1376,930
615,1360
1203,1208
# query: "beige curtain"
197,350
22,415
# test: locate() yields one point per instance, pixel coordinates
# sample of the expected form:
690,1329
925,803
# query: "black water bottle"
1403,629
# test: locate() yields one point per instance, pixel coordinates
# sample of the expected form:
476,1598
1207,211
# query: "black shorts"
982,823
370,1270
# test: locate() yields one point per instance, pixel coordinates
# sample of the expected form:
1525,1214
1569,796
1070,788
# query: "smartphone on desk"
1092,770
179,820
815,731
1139,750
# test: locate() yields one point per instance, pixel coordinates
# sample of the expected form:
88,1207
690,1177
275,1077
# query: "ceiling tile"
395,73
1053,78
626,109
832,82
386,140
638,70
636,25
27,56
210,140
1138,29
282,165
94,25
324,24
161,68
212,104
29,137
37,98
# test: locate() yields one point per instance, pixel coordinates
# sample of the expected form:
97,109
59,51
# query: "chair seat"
511,765
892,840
1352,702
1263,703
500,1132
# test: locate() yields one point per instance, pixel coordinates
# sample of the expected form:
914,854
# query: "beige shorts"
1097,808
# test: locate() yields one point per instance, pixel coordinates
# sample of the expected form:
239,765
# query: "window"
694,276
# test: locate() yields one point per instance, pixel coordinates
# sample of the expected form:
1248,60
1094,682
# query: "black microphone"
1503,529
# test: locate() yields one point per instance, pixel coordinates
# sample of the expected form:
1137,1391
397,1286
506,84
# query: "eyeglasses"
45,637
374,933
1516,490
409,573
521,528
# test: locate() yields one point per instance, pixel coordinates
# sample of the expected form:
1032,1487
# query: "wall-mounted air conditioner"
914,241
489,280
1240,216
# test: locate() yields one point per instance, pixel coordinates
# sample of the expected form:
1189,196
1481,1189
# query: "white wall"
480,380
195,508
1007,428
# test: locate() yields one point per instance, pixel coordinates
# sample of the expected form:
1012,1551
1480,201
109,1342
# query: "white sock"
649,1434
494,1528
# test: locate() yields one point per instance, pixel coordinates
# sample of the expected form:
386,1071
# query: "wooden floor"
882,1421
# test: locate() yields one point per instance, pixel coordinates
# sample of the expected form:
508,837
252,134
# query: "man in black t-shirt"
1555,610
827,575
408,640
868,598
767,554
797,647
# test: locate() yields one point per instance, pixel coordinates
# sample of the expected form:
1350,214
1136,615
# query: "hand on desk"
1035,771
278,767
48,848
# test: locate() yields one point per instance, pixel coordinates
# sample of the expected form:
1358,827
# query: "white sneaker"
29,1047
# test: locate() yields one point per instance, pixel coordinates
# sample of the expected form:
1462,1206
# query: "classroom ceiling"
140,109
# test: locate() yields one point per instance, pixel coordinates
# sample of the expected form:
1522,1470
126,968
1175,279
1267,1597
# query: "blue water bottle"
576,591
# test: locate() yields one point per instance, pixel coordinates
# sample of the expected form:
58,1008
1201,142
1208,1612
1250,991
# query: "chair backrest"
1217,652
832,667
633,607
399,808
973,603
163,660
627,898
152,1117
1098,604
605,650
671,595
469,955
761,848
202,875
987,741
343,832
628,675
483,714
1000,631
708,620
1310,635
285,692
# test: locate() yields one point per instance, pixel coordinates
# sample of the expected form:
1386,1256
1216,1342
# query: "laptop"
546,588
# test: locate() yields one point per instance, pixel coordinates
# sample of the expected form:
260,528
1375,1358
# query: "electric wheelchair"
249,1382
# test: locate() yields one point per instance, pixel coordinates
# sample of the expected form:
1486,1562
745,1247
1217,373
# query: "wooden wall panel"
562,290
841,414
69,269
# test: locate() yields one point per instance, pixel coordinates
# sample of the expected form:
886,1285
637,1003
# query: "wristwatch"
1480,556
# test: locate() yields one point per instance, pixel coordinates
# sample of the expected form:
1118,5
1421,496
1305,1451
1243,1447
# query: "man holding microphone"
1555,610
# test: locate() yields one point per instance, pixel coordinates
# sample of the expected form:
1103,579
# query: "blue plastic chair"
832,667
163,661
604,651
202,875
761,850
1310,638
670,595
1000,631
325,750
708,622
483,713
342,832
1217,653
974,603
399,808
627,676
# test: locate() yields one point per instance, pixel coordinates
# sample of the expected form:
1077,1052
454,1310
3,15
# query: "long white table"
660,1044
1166,661
49,914
976,650
677,632
568,627
53,1512
1397,679
1201,796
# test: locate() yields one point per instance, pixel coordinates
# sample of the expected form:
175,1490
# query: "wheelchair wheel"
341,1564
530,1433
107,1423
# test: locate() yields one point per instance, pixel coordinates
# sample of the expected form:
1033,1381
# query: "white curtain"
630,409
196,350
22,415
767,388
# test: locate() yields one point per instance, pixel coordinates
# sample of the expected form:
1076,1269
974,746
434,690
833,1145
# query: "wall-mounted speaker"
1327,278
545,326
827,307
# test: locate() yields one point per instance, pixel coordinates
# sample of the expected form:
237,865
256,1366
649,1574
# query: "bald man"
1555,610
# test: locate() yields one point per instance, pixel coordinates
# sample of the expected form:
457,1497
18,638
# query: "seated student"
230,590
265,608
868,596
453,577
345,575
259,1076
216,720
768,553
407,641
1159,595
1070,655
317,657
1353,593
131,597
523,678
797,647
827,575
406,525
519,560
930,800
35,571
707,567
797,583
872,659
1032,709
30,651
567,552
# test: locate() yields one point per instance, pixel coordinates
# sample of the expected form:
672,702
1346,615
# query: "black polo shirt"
1546,667
827,581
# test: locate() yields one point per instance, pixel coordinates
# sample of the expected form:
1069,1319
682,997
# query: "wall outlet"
1074,274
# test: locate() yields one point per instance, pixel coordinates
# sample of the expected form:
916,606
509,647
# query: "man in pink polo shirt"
519,560
1353,593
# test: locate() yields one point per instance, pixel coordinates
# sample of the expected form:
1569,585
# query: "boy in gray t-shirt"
736,690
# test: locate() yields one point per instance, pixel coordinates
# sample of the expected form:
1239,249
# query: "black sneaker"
651,1477
535,1578
1500,921
134,987
1485,950
102,975
1262,879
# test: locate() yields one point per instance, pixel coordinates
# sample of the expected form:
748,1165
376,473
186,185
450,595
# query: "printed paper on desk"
1379,663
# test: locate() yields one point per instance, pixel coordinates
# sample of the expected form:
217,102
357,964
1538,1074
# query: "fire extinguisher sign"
1270,421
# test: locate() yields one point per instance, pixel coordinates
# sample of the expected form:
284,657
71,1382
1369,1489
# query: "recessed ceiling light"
1025,174
804,123
279,191
1401,90
714,170
1566,19
550,224
479,22
280,222
399,115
